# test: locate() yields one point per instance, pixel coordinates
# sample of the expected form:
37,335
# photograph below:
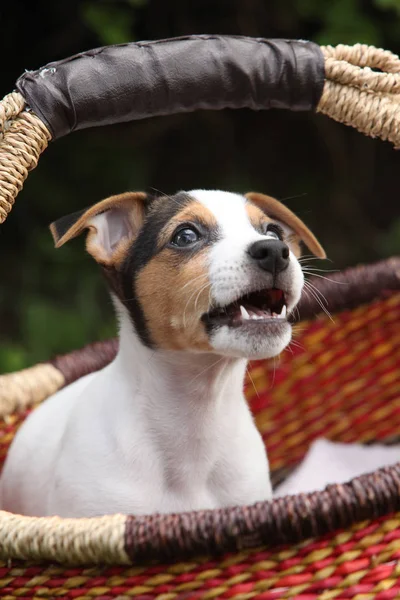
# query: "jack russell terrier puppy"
202,281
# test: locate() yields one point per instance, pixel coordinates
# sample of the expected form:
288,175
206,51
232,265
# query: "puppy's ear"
112,225
276,210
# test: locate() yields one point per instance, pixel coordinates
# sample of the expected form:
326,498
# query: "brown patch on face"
198,212
174,294
173,288
275,209
193,212
257,218
256,215
293,242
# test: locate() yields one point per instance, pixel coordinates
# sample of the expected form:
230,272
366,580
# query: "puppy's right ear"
112,226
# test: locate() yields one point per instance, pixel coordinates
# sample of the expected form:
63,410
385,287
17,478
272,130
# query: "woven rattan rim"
121,539
23,137
356,95
353,94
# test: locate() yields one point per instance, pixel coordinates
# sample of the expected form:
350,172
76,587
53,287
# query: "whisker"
298,329
207,369
294,197
289,348
307,257
251,379
318,292
318,300
190,297
198,295
322,270
297,313
323,277
193,280
296,344
186,306
167,196
273,374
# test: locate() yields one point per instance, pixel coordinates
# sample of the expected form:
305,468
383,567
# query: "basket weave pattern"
340,380
361,563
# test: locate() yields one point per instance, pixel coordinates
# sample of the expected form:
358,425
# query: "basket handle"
138,80
133,81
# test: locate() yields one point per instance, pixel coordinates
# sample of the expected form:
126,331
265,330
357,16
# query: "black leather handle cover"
133,81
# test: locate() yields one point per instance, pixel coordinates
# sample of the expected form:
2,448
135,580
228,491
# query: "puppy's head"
200,271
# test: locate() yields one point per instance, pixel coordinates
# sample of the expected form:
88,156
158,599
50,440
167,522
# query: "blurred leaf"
345,22
111,22
310,8
390,241
49,329
388,5
137,3
12,358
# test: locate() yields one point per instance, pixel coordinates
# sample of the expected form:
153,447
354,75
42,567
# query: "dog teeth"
266,314
282,314
245,314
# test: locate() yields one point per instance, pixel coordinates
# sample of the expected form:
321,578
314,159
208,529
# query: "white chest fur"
149,433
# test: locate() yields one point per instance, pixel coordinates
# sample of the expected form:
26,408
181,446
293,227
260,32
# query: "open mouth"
264,306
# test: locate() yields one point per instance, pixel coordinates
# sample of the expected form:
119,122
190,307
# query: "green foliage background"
344,185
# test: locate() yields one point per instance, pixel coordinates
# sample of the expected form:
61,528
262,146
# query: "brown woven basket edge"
287,520
124,539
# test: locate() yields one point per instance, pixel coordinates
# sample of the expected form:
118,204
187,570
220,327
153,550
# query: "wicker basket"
341,380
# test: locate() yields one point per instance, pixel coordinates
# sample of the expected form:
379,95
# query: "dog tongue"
275,295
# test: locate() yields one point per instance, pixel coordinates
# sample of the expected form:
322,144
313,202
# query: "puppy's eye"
274,231
185,237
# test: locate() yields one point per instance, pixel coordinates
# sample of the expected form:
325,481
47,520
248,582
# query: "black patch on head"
64,224
160,210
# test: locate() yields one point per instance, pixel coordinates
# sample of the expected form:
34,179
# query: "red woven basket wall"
339,380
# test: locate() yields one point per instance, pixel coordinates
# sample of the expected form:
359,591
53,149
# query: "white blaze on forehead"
229,266
228,209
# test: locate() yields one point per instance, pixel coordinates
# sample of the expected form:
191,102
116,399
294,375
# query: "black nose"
271,255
